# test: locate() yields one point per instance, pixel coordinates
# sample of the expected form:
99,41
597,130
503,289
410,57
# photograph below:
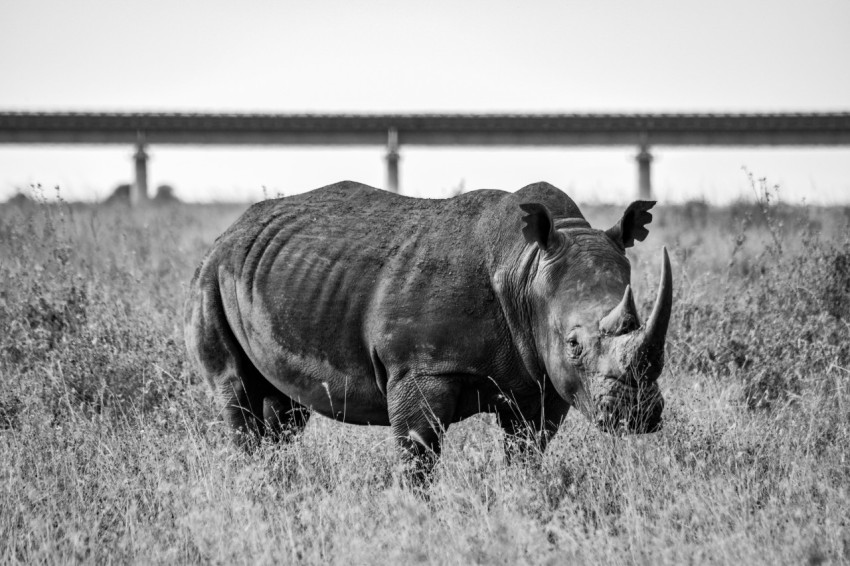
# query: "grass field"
112,450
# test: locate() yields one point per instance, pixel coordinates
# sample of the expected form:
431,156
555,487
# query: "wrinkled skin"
374,308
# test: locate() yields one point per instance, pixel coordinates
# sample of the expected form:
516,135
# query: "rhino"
373,308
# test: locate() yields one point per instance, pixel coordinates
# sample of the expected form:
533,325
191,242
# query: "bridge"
643,131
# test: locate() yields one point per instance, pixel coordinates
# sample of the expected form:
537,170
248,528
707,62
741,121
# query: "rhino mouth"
630,409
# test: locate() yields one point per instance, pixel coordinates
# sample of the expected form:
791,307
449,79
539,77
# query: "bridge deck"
798,129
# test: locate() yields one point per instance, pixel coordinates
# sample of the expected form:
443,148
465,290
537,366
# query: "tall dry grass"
113,451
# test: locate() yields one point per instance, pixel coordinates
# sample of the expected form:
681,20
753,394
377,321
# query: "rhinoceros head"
586,327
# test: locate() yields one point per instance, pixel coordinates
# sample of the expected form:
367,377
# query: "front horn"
655,333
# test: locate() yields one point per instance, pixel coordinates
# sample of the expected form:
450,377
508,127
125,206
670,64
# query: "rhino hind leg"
527,436
283,418
251,405
255,410
243,410
525,440
420,410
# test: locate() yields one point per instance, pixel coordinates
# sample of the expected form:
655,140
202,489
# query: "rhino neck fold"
512,263
511,286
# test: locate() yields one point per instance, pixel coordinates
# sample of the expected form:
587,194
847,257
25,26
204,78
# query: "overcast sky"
435,56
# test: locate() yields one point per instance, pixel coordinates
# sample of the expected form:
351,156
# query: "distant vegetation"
121,195
20,199
113,450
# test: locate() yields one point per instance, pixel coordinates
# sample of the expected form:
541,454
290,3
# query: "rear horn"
623,317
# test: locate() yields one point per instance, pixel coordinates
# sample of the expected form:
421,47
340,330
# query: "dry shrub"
778,320
82,319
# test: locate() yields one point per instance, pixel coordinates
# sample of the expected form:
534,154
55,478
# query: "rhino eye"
573,347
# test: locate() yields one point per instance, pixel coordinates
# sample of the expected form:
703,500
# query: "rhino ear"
539,227
632,226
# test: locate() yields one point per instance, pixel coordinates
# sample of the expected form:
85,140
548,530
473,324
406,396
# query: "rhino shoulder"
556,200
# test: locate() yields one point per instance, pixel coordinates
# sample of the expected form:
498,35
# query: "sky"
435,56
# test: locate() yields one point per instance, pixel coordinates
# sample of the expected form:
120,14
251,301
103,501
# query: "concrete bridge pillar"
139,189
393,158
644,159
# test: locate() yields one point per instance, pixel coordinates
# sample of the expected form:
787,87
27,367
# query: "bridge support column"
644,159
139,189
393,158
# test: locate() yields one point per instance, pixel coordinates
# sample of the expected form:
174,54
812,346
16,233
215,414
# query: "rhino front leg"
421,408
527,436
